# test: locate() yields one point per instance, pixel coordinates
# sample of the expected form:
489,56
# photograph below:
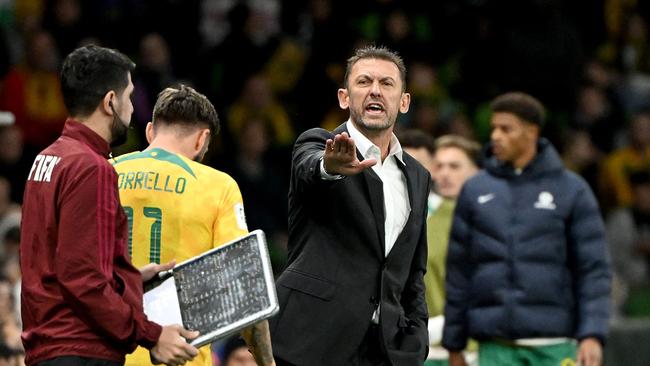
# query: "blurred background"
272,69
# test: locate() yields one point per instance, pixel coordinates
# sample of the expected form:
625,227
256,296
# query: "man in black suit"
352,292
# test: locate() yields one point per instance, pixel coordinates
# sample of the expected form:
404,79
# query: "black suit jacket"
337,271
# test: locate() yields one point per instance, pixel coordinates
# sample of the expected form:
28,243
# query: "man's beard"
118,131
358,118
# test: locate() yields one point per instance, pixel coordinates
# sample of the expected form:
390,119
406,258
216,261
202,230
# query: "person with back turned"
177,207
81,298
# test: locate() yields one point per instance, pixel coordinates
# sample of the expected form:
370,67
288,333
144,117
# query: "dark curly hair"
524,106
88,73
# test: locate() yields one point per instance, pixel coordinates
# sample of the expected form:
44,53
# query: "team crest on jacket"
545,201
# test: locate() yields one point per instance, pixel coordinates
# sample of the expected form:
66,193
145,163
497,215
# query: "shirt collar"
79,131
364,145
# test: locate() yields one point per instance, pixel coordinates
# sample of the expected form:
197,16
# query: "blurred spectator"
11,242
10,271
402,26
634,60
333,118
598,116
9,211
64,20
423,115
284,70
599,74
11,347
635,50
236,353
460,125
428,99
178,23
254,33
258,100
32,93
6,300
628,233
11,357
27,19
15,162
421,146
424,83
581,156
214,26
616,16
604,77
11,266
119,23
324,32
153,74
614,185
263,186
397,32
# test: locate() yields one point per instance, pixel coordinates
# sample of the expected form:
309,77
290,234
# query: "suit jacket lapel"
375,188
375,191
408,171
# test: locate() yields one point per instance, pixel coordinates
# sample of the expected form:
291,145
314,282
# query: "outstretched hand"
340,156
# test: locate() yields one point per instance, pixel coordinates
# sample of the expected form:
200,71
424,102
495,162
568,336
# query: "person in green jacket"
451,159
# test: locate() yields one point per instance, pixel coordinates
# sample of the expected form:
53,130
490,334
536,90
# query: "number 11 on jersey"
155,236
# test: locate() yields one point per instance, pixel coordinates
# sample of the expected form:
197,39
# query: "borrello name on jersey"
176,209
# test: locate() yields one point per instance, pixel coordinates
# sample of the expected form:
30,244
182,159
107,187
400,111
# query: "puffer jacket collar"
546,161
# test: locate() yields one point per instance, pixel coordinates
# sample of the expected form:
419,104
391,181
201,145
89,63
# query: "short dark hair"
416,139
524,106
471,148
380,53
183,106
88,73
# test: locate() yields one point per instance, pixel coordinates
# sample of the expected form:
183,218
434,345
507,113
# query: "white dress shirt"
396,200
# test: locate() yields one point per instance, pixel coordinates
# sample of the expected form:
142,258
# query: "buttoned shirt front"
396,200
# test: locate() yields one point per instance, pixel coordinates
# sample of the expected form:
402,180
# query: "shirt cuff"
435,326
325,175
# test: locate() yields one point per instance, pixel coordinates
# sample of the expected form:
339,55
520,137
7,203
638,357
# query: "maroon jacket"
80,294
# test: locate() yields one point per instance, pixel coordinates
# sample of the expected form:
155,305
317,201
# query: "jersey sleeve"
230,222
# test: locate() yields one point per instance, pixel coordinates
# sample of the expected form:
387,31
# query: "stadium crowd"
272,67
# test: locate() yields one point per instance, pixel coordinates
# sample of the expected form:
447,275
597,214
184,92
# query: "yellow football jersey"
177,209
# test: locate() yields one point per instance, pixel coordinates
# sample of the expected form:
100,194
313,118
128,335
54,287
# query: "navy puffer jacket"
527,256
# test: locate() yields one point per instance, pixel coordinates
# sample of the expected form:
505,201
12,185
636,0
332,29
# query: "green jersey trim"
157,154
